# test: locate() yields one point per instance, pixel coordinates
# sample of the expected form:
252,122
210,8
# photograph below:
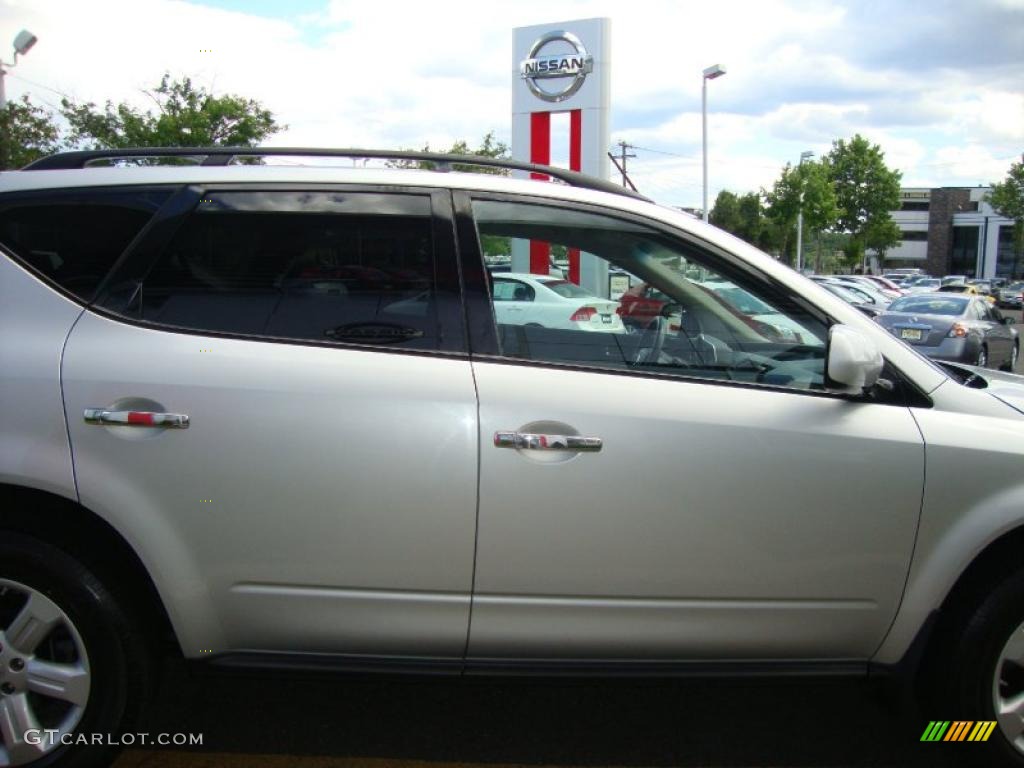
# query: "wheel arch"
84,535
936,621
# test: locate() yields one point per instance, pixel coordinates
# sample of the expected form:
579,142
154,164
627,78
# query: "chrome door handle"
536,442
135,418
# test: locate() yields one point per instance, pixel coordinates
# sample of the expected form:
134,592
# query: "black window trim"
907,393
143,254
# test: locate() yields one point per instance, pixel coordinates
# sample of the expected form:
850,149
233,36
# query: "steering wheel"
652,341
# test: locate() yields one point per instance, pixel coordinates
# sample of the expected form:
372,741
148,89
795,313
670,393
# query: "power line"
39,85
663,152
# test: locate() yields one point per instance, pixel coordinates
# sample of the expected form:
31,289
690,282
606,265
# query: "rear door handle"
107,418
537,442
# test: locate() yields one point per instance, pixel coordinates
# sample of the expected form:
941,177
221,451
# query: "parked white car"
552,302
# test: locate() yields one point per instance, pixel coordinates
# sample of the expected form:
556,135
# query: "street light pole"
23,42
800,216
709,74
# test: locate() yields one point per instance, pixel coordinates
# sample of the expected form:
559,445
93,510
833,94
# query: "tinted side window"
682,312
319,266
74,238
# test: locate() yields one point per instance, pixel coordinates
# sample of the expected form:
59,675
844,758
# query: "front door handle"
107,418
538,442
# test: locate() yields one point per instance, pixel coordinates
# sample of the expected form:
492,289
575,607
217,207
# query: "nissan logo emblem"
573,67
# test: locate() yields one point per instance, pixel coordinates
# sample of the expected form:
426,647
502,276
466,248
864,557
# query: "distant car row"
1000,291
955,322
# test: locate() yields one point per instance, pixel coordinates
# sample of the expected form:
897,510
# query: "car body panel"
276,520
800,559
966,430
34,449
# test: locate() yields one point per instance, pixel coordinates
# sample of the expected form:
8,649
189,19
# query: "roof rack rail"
217,156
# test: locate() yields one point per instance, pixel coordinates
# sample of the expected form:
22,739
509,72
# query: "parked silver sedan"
961,329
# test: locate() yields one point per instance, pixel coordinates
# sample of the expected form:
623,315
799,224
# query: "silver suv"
263,414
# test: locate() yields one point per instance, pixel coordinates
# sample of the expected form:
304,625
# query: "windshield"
929,305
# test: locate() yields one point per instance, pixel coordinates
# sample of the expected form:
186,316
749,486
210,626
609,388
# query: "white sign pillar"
561,68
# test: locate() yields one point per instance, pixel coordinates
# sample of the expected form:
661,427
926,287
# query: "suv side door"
689,491
322,498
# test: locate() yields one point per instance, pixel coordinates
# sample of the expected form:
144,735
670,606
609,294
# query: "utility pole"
623,146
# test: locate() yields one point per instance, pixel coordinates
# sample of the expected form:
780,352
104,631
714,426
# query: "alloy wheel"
1008,689
44,674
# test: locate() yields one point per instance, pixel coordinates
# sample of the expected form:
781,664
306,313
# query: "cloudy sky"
938,84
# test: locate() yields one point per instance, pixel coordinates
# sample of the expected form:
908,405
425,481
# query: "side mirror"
1009,320
853,361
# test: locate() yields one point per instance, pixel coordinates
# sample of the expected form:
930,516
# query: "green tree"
880,236
27,132
805,187
725,213
742,215
1007,198
186,116
866,191
489,147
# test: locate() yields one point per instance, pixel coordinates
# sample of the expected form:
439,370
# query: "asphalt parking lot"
256,721
272,721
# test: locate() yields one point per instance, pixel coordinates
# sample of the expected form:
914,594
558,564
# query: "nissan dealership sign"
560,114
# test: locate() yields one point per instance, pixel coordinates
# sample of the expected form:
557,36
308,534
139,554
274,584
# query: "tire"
1011,364
971,664
982,361
89,634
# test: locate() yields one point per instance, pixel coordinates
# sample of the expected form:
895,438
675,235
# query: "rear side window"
74,238
512,290
355,268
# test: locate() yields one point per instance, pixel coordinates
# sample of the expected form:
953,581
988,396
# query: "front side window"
354,268
677,309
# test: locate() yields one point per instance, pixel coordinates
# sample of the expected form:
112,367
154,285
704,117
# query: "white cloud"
385,74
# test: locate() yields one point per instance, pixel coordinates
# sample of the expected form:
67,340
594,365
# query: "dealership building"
952,231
